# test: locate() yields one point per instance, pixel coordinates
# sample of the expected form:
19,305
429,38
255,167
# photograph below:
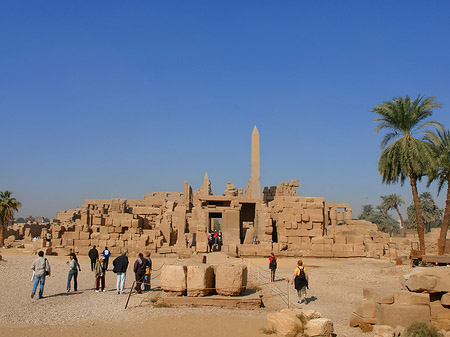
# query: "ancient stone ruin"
426,298
276,218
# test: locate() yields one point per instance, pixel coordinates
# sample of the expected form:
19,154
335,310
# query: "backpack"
273,263
302,275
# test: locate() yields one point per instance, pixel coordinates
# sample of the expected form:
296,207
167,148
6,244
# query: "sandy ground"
335,285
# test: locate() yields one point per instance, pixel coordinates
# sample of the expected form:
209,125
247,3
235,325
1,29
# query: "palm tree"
393,201
431,213
440,142
8,206
405,156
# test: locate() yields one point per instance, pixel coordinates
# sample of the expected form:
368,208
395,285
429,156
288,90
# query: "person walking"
148,273
106,253
272,266
120,264
41,269
139,271
74,266
93,255
100,272
301,281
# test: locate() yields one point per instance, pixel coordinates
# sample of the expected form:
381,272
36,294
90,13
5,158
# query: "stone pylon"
255,169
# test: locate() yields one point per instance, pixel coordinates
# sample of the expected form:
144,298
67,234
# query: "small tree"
393,201
431,213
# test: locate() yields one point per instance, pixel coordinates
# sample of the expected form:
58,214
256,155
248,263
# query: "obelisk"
255,170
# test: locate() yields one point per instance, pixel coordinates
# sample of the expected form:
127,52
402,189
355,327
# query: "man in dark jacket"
120,268
93,255
139,271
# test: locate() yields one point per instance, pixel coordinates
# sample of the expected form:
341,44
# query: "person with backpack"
301,281
106,253
272,266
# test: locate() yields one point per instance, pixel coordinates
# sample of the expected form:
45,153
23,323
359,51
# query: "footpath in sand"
335,285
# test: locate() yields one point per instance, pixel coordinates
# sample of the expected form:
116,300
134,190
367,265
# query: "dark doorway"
274,231
246,219
215,222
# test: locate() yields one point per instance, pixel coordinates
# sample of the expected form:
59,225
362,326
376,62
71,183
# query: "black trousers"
139,278
93,264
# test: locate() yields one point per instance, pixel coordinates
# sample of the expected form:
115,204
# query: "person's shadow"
311,299
64,294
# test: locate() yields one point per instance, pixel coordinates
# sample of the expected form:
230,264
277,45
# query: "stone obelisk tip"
255,130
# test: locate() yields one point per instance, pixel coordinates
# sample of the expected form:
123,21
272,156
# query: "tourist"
74,266
272,266
139,269
106,253
40,268
210,242
120,268
100,271
148,273
93,255
301,281
48,236
216,237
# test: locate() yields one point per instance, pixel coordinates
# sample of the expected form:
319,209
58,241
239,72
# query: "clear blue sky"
105,99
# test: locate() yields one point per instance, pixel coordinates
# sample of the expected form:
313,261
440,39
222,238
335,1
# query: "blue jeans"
147,280
72,273
39,278
120,282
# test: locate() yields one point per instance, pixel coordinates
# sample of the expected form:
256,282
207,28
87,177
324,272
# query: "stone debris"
425,299
299,323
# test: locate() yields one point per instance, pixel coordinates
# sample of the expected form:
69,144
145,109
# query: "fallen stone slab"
425,279
319,327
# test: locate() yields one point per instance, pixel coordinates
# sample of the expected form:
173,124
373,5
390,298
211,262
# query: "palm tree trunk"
419,220
400,216
445,223
2,234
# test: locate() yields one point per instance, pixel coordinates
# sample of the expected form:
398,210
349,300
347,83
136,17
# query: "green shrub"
422,329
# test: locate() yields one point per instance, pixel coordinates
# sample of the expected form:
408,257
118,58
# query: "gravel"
335,286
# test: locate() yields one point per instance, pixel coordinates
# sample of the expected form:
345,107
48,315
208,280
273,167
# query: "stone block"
430,280
383,331
378,295
72,235
322,327
407,297
445,299
173,279
231,280
85,236
440,316
284,324
200,280
403,315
